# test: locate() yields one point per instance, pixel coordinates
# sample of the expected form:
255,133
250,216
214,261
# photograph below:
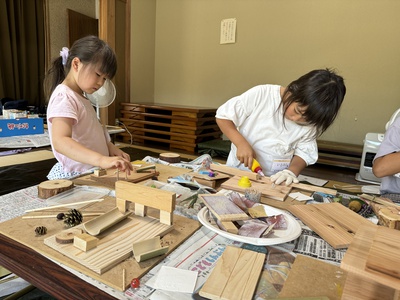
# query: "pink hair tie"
64,54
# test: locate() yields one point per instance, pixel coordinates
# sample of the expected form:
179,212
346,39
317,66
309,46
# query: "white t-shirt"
258,117
390,144
86,130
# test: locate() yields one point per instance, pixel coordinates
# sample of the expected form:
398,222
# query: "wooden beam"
107,33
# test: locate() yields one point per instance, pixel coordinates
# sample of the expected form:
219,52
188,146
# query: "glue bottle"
256,168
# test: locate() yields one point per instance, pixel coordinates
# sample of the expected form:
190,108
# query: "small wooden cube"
85,241
99,172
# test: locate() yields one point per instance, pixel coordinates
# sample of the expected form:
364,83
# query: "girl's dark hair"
321,92
90,50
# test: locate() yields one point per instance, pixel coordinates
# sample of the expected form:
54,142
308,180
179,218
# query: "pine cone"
41,230
73,218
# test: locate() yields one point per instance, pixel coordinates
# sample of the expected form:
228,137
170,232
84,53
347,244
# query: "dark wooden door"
80,25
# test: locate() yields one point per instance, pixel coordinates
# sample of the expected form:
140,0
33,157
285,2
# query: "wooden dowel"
123,279
54,216
63,205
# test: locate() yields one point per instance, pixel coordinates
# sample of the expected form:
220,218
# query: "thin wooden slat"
246,273
266,180
216,282
235,275
278,192
334,222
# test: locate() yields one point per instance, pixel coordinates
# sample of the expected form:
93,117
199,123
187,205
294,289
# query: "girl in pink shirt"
78,139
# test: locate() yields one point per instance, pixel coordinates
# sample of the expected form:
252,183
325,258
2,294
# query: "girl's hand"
245,154
115,151
124,165
286,176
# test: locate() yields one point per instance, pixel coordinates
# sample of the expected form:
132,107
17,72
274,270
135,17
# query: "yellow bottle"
256,168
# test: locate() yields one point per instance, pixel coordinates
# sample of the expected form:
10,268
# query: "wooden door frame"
107,32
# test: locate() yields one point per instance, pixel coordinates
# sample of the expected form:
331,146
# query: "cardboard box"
24,126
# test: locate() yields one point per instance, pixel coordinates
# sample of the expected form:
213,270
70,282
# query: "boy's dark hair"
321,92
90,50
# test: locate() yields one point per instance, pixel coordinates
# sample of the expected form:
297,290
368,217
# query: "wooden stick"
63,205
54,216
123,279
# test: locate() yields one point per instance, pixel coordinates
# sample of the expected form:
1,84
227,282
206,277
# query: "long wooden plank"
278,192
235,275
355,259
334,222
253,176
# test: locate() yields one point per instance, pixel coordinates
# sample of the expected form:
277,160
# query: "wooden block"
257,211
360,288
148,196
122,205
166,217
235,275
384,255
149,248
334,222
99,172
49,188
355,259
85,242
390,217
170,157
140,210
229,227
223,208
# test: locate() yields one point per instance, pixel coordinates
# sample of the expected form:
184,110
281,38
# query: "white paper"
300,197
176,280
228,31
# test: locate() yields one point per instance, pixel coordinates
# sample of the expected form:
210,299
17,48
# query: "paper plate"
278,236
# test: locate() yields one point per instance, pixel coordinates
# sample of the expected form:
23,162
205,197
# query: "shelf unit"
175,127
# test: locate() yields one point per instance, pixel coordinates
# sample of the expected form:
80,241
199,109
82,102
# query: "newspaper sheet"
26,141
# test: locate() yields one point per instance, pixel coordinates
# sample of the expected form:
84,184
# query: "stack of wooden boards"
175,126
